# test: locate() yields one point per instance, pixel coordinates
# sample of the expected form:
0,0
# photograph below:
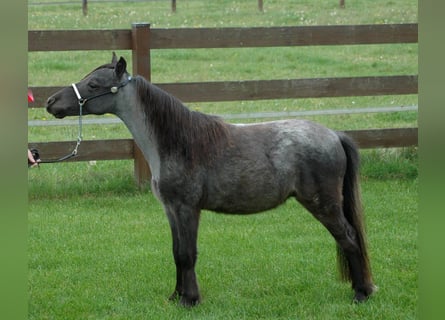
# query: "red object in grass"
30,96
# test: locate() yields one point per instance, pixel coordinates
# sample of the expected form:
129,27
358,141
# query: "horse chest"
155,188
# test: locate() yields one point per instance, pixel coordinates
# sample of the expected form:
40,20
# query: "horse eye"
93,85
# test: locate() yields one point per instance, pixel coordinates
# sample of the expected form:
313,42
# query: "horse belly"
245,192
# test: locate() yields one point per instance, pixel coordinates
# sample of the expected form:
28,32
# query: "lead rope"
81,103
79,136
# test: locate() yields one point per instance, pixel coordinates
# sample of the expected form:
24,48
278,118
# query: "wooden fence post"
260,5
84,7
173,5
140,34
342,3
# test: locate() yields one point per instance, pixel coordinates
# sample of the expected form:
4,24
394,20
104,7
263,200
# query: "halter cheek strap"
79,97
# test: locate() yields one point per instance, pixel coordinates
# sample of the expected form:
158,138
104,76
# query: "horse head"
94,94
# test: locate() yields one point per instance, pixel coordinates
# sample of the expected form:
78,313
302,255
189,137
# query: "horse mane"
179,131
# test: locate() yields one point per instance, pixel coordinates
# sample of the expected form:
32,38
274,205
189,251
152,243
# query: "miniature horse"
198,161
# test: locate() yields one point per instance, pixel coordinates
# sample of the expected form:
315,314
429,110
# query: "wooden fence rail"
141,39
115,149
275,89
192,38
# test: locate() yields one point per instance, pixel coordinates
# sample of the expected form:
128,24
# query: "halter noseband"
82,102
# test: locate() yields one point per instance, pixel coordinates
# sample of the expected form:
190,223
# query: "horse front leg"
178,287
184,225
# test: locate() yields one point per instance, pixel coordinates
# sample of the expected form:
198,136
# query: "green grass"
198,13
101,249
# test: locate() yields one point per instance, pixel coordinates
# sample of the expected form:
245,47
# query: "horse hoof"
189,302
184,300
361,296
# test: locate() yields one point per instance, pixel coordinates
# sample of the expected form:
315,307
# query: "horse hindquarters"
335,202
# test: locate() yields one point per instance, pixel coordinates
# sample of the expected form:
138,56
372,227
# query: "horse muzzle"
53,109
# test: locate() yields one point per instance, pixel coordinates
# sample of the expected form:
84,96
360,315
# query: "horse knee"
186,260
348,240
332,218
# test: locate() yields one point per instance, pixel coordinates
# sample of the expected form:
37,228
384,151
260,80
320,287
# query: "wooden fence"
173,5
141,39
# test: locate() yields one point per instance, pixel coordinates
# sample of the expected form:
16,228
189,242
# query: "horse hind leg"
353,264
351,254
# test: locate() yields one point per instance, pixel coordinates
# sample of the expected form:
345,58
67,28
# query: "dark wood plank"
41,94
124,148
66,40
385,138
274,89
283,36
293,88
88,150
140,33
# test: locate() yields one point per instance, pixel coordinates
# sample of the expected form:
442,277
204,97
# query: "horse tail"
353,211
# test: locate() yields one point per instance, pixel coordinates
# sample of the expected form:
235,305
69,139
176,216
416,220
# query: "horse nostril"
50,101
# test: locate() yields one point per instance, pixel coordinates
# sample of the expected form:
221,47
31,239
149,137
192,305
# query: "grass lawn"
101,249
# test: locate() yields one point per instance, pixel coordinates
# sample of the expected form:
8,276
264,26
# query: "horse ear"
114,58
121,67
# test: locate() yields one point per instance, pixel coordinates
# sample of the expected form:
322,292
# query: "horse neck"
132,114
167,118
162,126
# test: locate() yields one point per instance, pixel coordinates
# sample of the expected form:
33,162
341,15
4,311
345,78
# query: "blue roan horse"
199,162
